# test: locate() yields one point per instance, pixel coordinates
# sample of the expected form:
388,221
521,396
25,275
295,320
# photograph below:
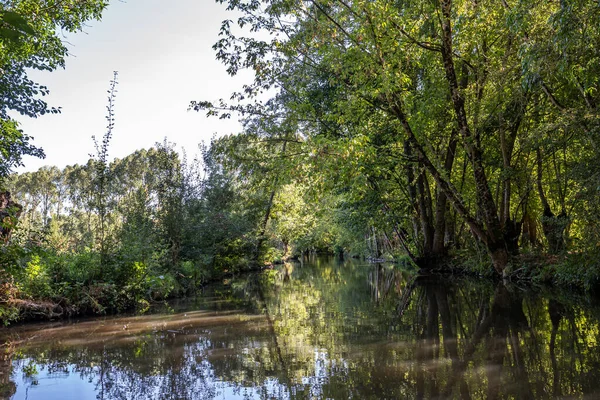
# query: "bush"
577,270
35,281
76,268
160,287
272,255
192,275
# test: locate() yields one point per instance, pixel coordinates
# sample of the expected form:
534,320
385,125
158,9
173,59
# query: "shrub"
35,281
192,275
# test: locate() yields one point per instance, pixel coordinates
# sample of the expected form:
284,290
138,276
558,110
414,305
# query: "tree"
432,106
30,39
102,178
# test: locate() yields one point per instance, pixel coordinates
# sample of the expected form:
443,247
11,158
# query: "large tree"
431,105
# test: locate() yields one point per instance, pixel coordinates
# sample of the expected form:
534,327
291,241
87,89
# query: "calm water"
317,331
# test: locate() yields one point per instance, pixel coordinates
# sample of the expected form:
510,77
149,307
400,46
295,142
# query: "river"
323,329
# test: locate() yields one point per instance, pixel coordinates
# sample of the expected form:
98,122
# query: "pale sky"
163,52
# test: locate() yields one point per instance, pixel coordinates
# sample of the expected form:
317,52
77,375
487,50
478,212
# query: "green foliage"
474,262
162,286
35,280
12,257
430,134
77,268
13,27
580,271
13,146
169,227
192,275
272,255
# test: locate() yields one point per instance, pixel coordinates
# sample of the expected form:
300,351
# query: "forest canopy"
435,119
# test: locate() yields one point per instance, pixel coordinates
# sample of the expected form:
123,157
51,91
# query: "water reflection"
320,330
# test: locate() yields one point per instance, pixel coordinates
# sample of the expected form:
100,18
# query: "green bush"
35,281
578,271
75,268
191,275
272,255
161,286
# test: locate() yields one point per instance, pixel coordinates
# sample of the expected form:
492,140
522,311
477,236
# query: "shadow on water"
320,329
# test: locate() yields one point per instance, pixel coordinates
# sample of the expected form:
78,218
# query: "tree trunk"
263,227
486,206
412,190
441,204
424,217
495,244
553,226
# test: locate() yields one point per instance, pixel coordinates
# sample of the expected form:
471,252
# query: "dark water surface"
322,330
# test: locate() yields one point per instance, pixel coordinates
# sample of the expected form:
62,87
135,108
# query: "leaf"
9,34
17,21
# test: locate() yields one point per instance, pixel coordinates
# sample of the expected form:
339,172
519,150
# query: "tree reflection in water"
321,330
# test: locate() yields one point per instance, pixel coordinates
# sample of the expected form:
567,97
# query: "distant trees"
160,226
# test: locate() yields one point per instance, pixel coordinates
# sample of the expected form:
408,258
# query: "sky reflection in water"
323,329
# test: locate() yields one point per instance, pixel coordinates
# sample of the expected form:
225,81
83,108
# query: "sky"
163,53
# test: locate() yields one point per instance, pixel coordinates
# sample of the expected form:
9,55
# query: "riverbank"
101,298
573,271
